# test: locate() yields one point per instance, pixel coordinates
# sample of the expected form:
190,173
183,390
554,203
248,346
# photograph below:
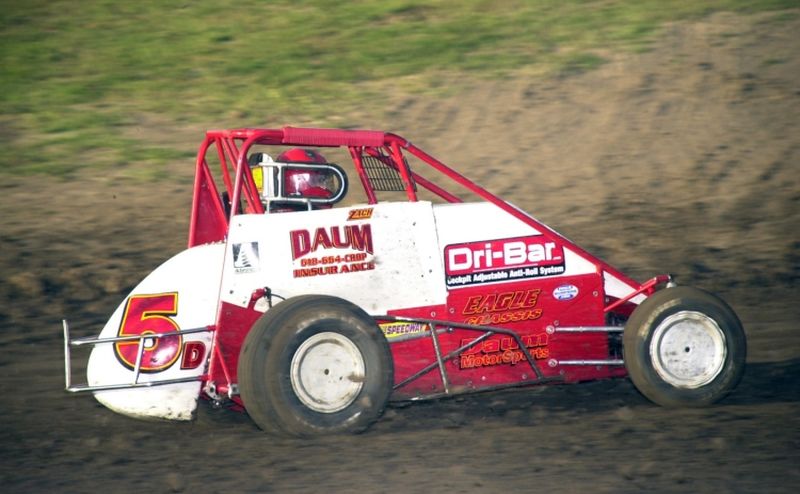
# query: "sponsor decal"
359,214
245,257
502,351
498,308
506,259
355,237
565,292
345,249
393,330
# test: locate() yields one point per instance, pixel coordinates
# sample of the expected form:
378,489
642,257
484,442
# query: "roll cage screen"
212,208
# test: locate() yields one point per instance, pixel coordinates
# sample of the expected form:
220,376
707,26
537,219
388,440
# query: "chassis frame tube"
431,326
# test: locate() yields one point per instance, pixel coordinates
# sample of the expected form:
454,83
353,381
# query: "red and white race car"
312,317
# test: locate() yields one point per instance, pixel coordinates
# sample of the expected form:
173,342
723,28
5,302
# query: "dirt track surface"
684,159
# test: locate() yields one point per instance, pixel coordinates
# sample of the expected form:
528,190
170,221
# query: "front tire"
315,365
684,347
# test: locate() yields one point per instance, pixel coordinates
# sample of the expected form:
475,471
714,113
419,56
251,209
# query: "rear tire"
684,347
315,365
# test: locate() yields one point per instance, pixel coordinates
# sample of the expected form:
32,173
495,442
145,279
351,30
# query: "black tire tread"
258,368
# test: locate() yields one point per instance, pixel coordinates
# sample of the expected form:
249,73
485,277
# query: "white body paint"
194,274
391,258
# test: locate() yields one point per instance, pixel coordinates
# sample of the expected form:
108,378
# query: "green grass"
76,74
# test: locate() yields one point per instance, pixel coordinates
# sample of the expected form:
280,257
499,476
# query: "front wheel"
315,365
684,347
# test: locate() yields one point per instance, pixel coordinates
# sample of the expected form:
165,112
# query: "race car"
311,303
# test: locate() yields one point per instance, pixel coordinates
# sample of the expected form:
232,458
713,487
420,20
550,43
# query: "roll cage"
379,159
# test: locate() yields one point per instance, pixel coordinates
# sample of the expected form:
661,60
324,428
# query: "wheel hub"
327,372
688,349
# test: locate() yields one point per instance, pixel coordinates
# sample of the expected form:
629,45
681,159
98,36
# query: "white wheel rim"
688,349
327,372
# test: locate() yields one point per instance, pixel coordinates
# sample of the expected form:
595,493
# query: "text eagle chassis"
313,320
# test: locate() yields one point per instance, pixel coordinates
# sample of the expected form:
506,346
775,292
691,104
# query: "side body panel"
467,263
380,257
501,272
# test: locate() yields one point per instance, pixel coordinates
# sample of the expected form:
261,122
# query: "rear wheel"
684,347
315,365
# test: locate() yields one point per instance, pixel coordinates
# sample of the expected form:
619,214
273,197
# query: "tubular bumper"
135,382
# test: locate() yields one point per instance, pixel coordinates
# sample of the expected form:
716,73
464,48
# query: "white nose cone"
179,295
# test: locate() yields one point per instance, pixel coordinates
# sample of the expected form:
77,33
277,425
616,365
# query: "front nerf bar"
135,383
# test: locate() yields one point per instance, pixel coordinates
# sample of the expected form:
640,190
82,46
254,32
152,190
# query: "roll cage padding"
332,137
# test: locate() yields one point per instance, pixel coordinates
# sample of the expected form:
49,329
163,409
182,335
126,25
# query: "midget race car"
312,312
